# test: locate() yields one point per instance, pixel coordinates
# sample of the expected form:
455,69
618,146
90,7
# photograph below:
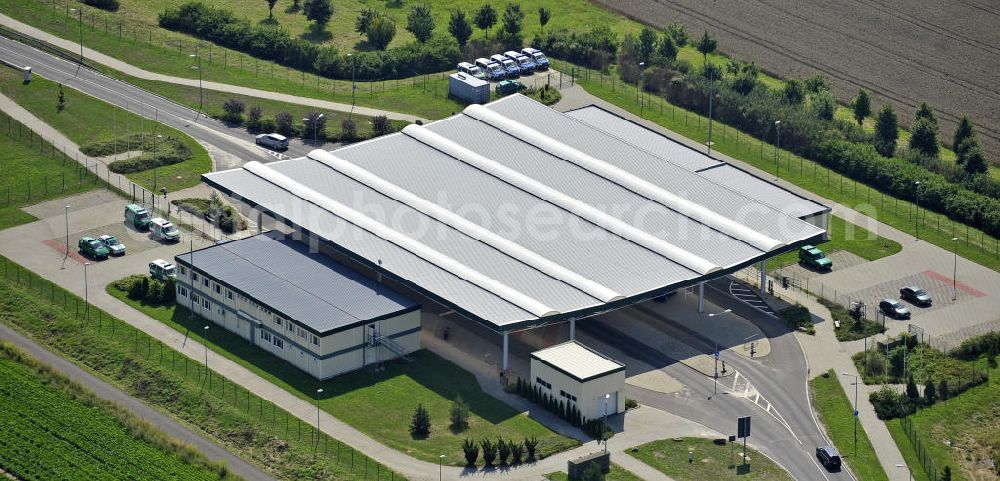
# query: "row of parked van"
509,65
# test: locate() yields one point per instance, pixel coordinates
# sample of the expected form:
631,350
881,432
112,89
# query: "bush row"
507,452
595,428
983,345
274,43
147,290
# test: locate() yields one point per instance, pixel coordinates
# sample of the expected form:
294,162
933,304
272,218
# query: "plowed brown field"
945,52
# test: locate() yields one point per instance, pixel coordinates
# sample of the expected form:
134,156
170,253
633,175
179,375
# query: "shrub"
380,32
503,451
986,344
348,130
109,5
890,404
629,404
233,109
471,451
420,424
459,414
516,452
254,117
381,126
284,123
530,444
489,451
930,396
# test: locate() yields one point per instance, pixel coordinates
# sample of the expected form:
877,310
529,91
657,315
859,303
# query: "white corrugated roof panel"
578,361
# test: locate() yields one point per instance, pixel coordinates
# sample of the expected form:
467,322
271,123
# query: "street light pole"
604,422
318,393
86,292
855,411
954,273
716,354
777,147
916,218
80,16
909,474
440,462
201,91
67,231
642,65
353,86
711,95
206,349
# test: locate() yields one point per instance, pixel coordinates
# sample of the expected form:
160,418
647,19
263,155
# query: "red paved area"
61,248
962,287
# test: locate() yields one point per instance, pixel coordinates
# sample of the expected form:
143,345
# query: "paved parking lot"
842,260
937,286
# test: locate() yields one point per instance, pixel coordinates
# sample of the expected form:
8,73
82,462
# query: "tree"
254,116
315,126
678,33
862,105
795,91
319,11
647,44
420,424
61,99
886,131
544,15
284,123
348,130
270,7
471,451
381,32
706,45
486,18
923,136
459,414
930,395
459,27
592,472
946,474
365,19
924,111
974,161
489,451
530,444
381,126
513,21
824,105
962,132
912,393
234,110
942,390
817,83
420,22
668,49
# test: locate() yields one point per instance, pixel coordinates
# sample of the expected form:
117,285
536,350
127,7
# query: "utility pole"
855,411
777,148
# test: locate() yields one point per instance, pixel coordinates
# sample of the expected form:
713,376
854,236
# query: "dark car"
915,295
828,457
893,309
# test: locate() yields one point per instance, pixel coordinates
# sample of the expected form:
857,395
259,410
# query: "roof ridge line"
593,215
466,227
624,178
389,234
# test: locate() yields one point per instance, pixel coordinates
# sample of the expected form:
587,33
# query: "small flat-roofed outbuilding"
301,306
580,376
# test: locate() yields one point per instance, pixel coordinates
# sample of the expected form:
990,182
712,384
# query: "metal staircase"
376,339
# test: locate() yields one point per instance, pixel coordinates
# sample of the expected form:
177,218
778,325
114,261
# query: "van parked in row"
137,217
541,62
494,71
526,64
513,70
162,229
469,69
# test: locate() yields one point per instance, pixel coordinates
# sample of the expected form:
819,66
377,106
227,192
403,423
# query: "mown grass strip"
836,412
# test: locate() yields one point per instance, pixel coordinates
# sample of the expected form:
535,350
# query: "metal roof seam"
624,178
463,225
423,251
542,191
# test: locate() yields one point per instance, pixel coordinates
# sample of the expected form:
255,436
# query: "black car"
893,309
828,457
915,295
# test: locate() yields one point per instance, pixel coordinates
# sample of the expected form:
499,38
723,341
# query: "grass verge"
85,120
798,317
849,329
246,425
973,244
617,473
55,428
847,237
836,413
380,404
708,461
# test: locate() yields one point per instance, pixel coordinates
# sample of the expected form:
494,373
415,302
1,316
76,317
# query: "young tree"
942,390
706,45
668,49
513,20
284,123
348,130
314,126
420,424
459,414
61,99
471,451
678,33
930,395
234,110
420,22
886,131
459,27
254,116
924,111
962,132
319,11
486,18
923,136
544,15
946,474
365,18
270,7
974,161
795,92
824,105
911,389
862,105
817,83
381,32
647,44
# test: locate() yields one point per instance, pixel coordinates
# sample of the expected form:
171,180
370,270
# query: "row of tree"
313,125
504,451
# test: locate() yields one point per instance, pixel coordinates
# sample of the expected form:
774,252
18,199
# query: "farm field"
56,430
944,52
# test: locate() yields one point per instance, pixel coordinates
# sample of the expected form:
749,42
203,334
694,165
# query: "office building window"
204,281
278,342
265,335
229,294
218,289
277,320
204,302
315,341
194,276
194,298
543,383
184,271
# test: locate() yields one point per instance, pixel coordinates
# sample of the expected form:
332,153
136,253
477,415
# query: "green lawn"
848,237
54,428
709,461
380,403
250,427
835,411
617,473
33,172
970,422
85,119
973,244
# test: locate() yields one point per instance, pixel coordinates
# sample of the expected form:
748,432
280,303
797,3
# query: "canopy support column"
572,329
701,297
763,277
506,353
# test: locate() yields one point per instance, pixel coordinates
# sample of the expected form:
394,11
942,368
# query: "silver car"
273,141
113,244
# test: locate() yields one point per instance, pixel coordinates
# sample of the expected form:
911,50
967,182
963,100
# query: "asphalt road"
780,377
108,392
234,141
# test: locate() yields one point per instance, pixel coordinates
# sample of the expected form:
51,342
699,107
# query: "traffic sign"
743,427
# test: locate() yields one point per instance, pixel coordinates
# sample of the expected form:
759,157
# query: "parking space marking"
60,247
961,286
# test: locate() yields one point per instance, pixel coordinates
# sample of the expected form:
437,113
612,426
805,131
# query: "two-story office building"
305,308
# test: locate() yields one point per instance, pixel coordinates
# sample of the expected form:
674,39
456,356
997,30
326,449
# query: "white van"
162,270
469,69
494,72
162,229
541,62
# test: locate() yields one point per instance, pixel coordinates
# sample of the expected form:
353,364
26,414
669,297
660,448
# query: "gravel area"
945,52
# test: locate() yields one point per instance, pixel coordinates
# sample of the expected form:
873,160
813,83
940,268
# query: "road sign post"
743,431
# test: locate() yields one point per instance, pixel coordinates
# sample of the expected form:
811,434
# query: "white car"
273,141
113,244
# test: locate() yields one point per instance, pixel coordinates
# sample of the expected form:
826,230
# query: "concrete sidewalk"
105,391
95,56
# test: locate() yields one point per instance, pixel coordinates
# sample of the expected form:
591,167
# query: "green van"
137,216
